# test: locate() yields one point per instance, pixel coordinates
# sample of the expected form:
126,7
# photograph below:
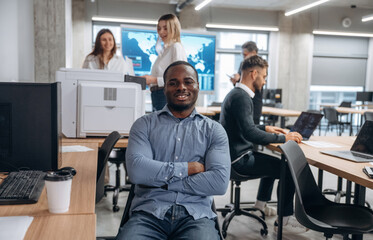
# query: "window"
338,69
229,58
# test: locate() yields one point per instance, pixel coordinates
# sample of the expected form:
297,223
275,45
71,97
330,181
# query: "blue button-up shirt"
159,149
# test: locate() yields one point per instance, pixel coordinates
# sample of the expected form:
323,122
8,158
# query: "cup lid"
58,176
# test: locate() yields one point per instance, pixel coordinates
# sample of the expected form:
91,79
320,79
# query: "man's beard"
180,108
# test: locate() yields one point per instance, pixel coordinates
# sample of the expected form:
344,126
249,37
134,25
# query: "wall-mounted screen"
138,43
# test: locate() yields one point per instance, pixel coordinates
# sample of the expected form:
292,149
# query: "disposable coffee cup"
58,186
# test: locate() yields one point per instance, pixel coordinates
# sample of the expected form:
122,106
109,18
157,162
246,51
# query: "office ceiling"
273,5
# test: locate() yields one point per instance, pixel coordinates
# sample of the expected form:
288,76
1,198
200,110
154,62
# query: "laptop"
362,149
306,123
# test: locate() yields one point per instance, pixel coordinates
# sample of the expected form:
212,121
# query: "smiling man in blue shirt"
178,160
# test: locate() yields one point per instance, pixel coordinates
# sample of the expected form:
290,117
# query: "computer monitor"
138,43
272,95
30,129
364,96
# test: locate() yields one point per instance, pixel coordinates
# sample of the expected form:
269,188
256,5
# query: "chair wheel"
224,233
263,232
115,209
224,214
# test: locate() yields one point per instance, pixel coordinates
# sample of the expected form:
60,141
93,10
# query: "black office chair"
236,209
117,157
368,116
103,156
331,115
126,214
316,212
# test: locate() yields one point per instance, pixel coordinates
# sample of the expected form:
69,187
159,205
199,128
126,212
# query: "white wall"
17,41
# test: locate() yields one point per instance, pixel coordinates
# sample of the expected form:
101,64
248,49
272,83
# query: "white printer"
97,102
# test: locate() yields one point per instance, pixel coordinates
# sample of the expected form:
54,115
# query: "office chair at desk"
331,115
316,212
126,214
118,157
368,116
103,156
230,211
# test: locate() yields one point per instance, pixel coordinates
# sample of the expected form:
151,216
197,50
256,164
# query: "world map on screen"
139,45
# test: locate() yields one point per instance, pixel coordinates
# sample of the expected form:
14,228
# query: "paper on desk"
14,227
321,144
76,148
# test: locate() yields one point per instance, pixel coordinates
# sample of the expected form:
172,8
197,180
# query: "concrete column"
369,79
79,40
190,18
295,56
50,38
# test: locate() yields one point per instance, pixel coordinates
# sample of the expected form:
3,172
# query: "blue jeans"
177,224
267,168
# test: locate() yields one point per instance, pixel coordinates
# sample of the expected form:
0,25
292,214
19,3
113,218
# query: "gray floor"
241,227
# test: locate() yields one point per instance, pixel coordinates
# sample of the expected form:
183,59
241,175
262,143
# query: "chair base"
246,212
116,190
232,210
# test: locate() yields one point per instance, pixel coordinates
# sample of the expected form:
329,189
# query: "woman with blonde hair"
104,55
168,29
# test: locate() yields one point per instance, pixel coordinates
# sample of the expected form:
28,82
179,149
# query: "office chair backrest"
331,115
215,104
313,111
103,156
307,192
345,104
368,116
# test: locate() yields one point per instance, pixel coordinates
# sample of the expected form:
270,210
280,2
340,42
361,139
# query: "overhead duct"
182,5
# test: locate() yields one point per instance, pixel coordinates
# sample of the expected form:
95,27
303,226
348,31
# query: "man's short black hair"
250,46
254,61
179,63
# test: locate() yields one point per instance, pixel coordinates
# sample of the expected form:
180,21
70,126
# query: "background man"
178,159
250,49
237,119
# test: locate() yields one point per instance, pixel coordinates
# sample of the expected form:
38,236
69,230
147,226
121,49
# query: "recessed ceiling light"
367,18
202,4
305,7
241,27
348,34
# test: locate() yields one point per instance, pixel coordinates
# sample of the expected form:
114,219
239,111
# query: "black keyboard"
361,155
23,187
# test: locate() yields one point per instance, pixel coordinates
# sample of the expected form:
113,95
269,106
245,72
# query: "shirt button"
178,139
180,174
176,157
165,178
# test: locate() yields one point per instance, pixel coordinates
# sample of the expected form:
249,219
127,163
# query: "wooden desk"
62,227
349,170
80,220
212,111
352,111
122,143
283,113
205,111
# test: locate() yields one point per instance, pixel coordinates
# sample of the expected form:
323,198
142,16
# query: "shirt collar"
246,89
167,110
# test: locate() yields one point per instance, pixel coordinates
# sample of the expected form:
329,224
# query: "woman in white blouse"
168,29
104,55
